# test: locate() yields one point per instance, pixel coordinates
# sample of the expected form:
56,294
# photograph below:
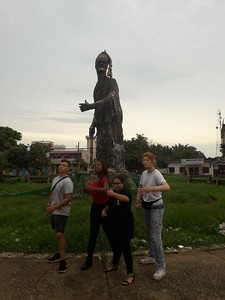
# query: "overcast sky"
168,59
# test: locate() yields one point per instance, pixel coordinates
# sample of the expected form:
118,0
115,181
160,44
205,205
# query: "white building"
198,166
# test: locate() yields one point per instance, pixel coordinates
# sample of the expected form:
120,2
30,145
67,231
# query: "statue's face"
101,66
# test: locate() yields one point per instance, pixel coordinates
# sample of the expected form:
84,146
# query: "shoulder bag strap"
58,182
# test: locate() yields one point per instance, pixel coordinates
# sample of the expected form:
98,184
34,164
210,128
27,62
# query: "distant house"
74,155
60,152
198,166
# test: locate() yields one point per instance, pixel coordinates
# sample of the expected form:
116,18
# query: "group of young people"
111,209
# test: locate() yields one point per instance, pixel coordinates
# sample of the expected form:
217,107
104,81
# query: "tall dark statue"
108,115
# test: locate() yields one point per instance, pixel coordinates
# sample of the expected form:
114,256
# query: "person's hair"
120,177
150,156
104,168
67,161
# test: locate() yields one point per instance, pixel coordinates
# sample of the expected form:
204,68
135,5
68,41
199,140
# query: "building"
60,152
74,155
198,166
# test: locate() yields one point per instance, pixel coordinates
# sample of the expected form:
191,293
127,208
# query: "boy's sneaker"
54,258
147,260
62,266
159,274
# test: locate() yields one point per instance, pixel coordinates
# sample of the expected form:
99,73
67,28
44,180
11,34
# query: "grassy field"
193,213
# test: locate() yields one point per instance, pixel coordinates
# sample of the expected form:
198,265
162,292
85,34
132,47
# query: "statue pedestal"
80,179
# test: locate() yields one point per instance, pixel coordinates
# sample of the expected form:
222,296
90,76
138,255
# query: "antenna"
218,132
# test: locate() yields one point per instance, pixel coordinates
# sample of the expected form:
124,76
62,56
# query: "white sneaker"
160,273
147,260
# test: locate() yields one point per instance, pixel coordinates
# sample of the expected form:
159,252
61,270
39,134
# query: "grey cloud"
160,50
75,120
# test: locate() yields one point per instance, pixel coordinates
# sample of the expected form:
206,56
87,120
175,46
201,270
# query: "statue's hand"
84,106
91,131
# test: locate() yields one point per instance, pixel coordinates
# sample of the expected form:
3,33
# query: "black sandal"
129,279
110,269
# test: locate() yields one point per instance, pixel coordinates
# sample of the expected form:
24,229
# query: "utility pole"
218,133
78,159
91,150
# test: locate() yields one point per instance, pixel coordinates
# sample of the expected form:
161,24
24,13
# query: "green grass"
193,213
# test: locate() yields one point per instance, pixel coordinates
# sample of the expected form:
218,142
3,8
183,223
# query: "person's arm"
103,189
104,211
48,205
138,198
67,198
49,199
120,197
163,187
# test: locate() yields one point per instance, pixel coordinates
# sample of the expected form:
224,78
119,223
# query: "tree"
185,151
163,154
17,157
135,147
8,138
133,151
83,165
38,158
3,164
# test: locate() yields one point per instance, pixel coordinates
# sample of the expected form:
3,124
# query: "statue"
108,116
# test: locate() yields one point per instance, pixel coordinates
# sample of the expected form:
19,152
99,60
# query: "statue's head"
104,62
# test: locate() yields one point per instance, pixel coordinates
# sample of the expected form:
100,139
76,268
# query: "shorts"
59,222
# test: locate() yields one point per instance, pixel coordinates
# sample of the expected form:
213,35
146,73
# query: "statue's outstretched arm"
114,93
86,106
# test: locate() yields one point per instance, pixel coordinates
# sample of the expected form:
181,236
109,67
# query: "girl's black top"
120,216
